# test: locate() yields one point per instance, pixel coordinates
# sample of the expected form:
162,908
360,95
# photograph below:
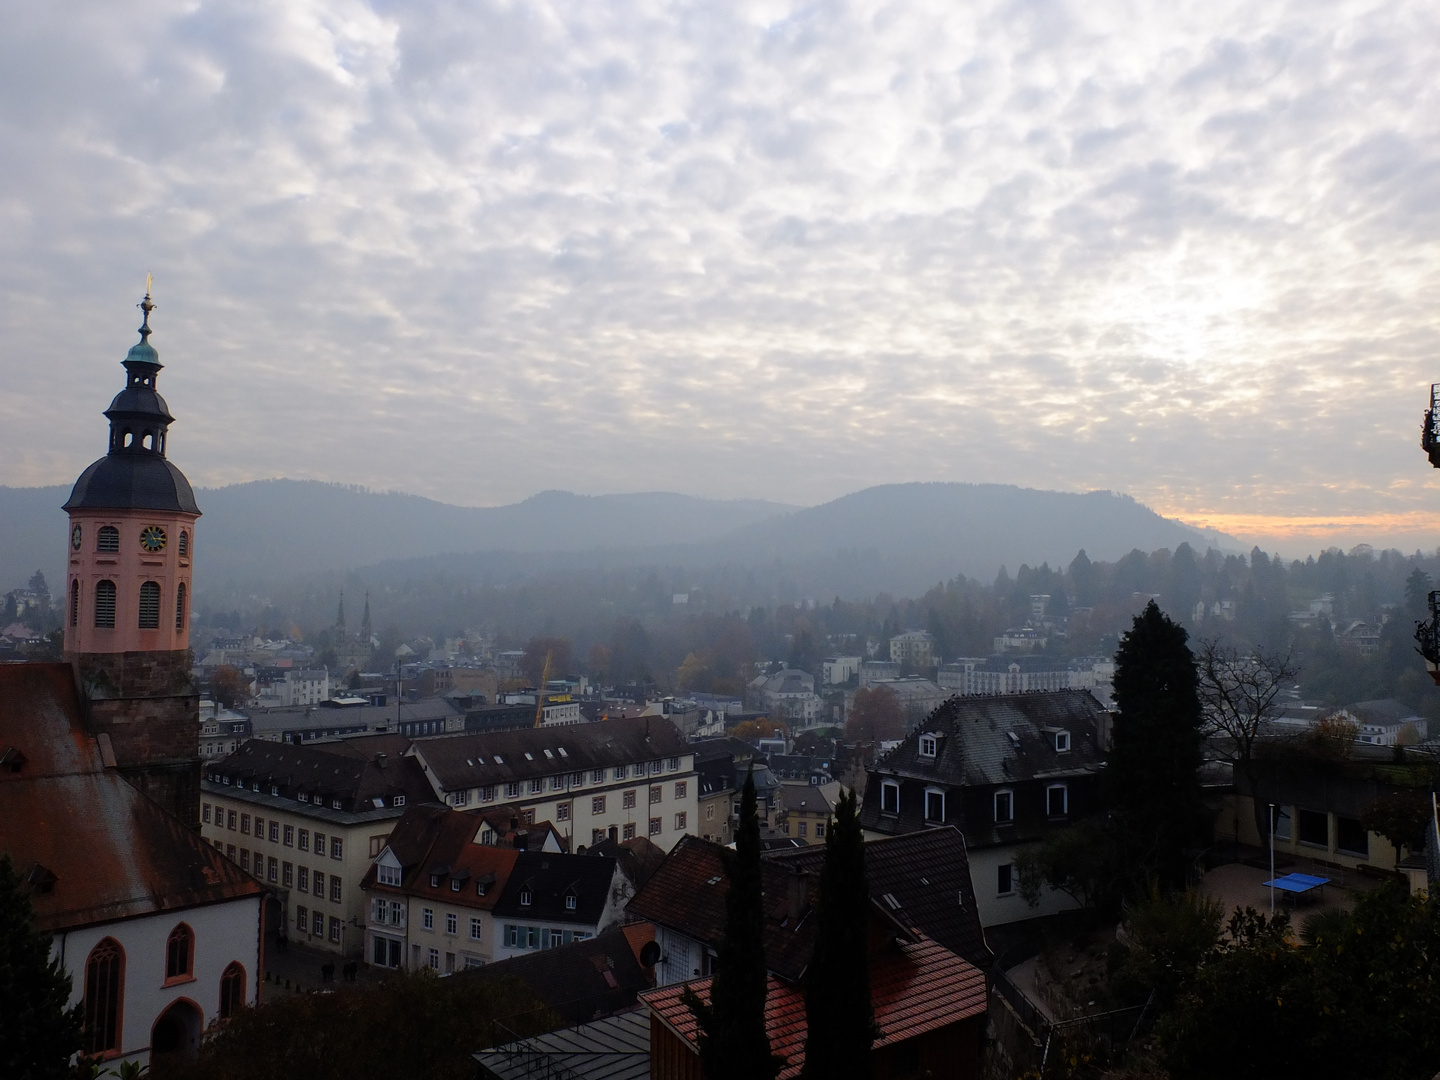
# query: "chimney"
380,760
797,896
522,840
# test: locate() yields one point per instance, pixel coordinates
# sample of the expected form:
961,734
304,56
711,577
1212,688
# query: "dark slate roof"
615,1048
467,761
687,894
584,980
992,740
638,857
109,852
132,480
923,879
549,878
323,772
915,988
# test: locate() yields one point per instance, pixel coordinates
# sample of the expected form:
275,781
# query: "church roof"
95,849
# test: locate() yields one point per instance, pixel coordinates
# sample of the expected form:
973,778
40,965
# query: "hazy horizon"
766,250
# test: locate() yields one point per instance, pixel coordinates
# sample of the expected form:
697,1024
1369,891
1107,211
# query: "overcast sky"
475,250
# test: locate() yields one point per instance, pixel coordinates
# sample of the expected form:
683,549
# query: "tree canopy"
40,1032
1152,772
733,1041
838,1013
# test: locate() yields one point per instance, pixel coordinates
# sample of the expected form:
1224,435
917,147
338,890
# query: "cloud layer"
473,250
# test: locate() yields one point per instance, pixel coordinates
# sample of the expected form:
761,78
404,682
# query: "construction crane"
540,690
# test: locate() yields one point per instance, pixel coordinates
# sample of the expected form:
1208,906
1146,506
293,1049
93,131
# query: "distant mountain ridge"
899,538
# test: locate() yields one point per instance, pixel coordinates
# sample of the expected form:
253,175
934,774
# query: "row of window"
452,924
107,539
540,937
105,987
516,789
269,868
1057,802
313,923
148,616
1312,827
315,799
279,834
656,827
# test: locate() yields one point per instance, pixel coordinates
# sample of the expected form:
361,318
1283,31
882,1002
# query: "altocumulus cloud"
477,249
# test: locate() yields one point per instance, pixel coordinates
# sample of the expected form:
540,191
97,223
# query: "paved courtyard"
1239,886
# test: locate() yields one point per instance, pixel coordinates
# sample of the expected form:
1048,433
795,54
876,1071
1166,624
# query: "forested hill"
269,531
899,538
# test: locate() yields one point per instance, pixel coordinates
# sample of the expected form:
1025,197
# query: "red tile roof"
916,987
113,852
434,839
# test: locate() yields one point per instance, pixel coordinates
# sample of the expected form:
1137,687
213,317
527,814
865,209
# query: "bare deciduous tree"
1241,694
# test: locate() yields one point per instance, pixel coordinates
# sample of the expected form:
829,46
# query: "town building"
788,694
914,649
440,899
840,670
1383,722
288,687
809,809
1006,770
1020,639
306,821
159,933
614,778
221,731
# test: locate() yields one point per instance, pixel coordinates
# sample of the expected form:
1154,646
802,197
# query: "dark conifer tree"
1152,772
733,1041
838,1013
40,1033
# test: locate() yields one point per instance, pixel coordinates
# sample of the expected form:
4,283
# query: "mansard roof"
460,762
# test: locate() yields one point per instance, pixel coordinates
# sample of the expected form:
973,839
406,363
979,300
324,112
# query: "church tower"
127,614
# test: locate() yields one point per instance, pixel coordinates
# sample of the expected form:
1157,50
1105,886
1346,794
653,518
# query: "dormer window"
434,881
889,797
481,888
525,897
571,901
398,800
1004,807
455,885
929,746
1062,742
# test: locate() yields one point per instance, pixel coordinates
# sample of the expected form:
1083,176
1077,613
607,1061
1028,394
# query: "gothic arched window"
105,605
180,605
232,991
150,606
104,992
179,953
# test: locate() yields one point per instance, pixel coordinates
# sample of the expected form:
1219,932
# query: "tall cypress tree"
1152,771
733,1041
838,1013
40,1033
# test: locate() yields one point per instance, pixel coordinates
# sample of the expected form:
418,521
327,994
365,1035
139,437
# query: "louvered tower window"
107,539
180,605
150,606
75,603
105,605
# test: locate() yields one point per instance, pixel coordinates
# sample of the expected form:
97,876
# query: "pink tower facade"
131,547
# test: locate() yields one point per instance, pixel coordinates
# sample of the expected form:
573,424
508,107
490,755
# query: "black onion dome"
133,481
135,473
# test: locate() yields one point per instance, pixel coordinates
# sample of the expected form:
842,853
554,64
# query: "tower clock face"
152,538
75,535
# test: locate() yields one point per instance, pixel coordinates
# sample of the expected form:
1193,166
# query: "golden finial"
146,306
